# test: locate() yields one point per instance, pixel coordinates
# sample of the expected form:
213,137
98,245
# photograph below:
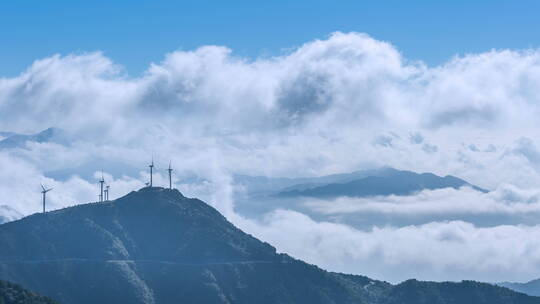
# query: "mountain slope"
531,288
13,140
466,292
152,223
15,294
157,246
394,182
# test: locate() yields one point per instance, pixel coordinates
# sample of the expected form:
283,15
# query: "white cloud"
435,251
505,200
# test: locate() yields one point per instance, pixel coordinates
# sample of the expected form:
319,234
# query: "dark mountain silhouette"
15,294
157,246
390,182
531,288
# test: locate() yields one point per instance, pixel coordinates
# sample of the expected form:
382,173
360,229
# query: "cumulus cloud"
333,105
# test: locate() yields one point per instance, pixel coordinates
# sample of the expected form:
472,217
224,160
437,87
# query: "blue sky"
135,33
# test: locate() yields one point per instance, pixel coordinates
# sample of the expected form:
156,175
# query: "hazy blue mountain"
531,288
157,246
13,140
387,180
257,196
392,182
5,134
261,185
15,294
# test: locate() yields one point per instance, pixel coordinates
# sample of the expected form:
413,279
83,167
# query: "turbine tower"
101,182
151,171
170,175
44,192
107,193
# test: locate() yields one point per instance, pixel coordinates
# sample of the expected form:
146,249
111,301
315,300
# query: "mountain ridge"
157,246
15,140
531,288
395,182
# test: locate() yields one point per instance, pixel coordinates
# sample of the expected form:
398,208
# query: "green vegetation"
14,294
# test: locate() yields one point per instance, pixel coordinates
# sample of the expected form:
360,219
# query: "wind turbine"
101,182
170,175
151,171
44,192
107,193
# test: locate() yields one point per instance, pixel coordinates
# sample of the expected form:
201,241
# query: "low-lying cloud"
505,200
453,250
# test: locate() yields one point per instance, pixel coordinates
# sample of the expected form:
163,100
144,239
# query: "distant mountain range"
262,185
531,288
5,134
157,246
385,182
15,294
259,195
86,169
13,140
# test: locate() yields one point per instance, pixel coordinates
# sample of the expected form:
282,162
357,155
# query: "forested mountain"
15,294
157,246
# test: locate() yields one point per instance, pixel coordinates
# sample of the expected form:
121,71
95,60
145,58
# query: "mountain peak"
154,193
152,223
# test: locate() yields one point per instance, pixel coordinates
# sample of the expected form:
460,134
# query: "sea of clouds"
335,105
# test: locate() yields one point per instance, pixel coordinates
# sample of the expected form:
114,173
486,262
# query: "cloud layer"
436,251
334,105
505,200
